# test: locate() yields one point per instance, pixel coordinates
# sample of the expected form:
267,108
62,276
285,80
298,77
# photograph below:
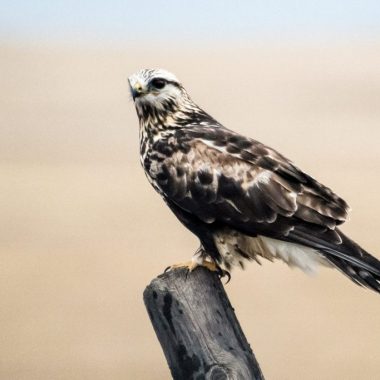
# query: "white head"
156,89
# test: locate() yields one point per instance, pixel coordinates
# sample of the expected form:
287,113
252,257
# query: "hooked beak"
136,89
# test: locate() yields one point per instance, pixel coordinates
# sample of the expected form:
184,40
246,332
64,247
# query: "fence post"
197,327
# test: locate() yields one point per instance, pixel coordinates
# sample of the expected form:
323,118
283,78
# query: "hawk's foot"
208,264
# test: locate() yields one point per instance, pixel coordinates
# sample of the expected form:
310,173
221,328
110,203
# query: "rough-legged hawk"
242,199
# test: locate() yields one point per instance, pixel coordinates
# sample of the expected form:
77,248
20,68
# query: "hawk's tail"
347,256
369,278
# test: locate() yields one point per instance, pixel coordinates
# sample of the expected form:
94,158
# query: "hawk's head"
161,101
156,89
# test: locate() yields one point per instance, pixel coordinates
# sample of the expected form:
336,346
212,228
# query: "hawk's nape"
241,198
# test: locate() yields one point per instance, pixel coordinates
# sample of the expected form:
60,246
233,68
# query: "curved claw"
210,265
222,273
188,265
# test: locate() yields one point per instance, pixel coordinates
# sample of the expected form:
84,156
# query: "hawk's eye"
158,83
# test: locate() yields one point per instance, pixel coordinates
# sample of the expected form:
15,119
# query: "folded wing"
232,179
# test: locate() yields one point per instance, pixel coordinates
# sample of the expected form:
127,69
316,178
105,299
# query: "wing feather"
226,178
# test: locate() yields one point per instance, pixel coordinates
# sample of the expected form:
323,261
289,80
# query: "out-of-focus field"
82,233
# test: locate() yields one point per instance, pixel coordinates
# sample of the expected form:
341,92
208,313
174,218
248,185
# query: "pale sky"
199,21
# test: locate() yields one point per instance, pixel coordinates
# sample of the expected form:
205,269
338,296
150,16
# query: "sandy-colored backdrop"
82,232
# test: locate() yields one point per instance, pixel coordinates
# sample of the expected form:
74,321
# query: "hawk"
242,199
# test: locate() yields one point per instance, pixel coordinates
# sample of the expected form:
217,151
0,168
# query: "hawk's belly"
235,247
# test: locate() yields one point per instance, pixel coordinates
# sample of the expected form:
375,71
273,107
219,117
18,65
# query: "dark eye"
158,83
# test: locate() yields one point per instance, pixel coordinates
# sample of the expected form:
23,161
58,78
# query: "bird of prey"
242,199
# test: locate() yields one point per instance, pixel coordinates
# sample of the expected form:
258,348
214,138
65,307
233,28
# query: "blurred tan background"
81,230
82,233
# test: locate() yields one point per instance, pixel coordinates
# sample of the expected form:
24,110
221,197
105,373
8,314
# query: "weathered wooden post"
197,327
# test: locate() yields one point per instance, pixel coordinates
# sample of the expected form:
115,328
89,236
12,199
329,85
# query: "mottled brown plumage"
241,198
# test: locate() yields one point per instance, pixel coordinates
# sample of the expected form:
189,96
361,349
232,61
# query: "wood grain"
197,327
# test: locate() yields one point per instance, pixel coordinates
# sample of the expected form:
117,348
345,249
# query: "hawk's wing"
225,177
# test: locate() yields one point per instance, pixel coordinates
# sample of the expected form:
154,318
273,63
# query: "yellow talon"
191,265
210,265
188,264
